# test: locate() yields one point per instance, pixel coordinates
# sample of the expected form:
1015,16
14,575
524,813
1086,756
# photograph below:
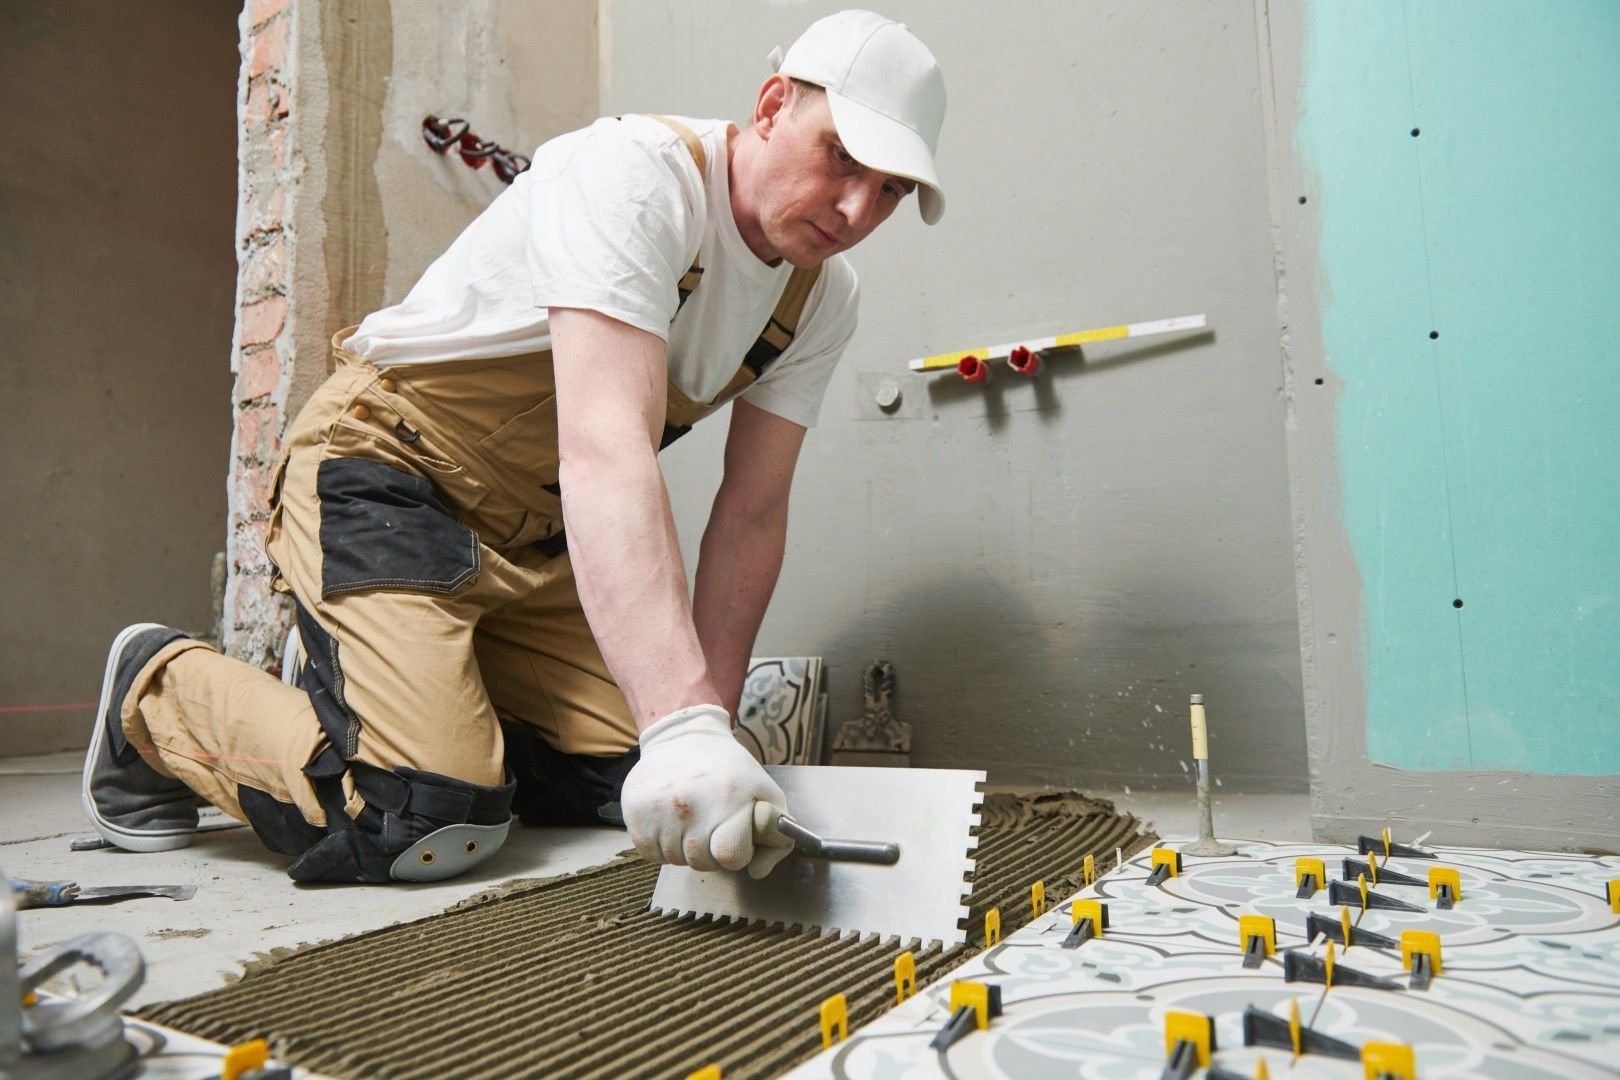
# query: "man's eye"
842,155
893,191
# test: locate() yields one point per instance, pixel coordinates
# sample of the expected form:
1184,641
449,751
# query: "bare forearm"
632,582
737,570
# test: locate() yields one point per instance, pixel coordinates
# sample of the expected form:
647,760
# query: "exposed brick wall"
255,619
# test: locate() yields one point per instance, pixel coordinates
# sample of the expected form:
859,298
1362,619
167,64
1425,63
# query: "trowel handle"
771,823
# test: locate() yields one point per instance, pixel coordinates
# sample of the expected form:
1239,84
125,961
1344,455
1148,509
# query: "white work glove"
690,799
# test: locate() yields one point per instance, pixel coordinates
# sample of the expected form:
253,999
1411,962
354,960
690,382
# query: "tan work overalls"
418,523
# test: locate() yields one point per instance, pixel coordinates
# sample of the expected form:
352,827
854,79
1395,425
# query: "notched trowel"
876,851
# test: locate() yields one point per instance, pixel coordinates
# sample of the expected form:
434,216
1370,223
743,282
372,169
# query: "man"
465,655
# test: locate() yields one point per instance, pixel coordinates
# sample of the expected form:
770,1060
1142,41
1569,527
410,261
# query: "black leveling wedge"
1261,1028
1081,934
1422,972
1351,896
1367,845
1355,868
1333,929
1302,967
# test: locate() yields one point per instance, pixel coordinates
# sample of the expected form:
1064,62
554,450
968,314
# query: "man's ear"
774,94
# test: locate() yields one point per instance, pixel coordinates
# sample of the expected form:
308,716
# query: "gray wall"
1052,565
117,195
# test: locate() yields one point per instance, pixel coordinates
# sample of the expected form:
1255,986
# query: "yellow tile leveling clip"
1445,886
834,1017
1257,934
1309,875
1037,899
905,976
1189,1039
1387,1061
1166,864
1090,920
973,1005
244,1058
1420,954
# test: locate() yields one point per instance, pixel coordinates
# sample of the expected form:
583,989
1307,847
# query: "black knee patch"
402,807
322,679
280,826
382,527
554,788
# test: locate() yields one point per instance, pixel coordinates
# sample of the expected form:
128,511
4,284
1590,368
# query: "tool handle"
771,823
32,894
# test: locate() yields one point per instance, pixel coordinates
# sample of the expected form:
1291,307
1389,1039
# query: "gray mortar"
573,976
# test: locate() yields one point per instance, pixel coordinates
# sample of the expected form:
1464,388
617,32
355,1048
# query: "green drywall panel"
1484,464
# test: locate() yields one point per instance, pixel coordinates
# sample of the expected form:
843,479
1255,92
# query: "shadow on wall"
1096,697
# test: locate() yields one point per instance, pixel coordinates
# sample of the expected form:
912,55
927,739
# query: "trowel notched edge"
930,813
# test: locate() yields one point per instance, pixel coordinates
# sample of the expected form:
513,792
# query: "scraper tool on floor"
908,830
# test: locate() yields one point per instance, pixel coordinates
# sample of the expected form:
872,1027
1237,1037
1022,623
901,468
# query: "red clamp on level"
1024,361
972,369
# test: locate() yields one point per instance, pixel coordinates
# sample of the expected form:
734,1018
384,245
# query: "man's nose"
856,203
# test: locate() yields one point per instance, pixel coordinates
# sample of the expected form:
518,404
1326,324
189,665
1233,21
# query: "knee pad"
449,851
416,825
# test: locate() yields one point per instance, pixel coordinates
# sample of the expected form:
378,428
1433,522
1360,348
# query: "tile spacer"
905,976
1090,920
1388,1061
1166,864
1189,1038
834,1017
1445,886
1257,934
1309,875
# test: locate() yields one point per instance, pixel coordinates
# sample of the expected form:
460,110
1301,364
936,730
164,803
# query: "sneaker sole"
128,839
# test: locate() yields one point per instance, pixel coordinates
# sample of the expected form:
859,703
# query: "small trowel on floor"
32,894
877,851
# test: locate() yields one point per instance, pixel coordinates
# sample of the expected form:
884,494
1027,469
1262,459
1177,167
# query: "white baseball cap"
886,93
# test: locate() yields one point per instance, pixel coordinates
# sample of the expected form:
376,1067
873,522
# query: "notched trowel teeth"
929,813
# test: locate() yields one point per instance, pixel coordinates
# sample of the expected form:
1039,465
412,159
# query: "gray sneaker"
130,803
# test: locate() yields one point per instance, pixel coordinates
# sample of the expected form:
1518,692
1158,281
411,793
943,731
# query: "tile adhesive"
573,976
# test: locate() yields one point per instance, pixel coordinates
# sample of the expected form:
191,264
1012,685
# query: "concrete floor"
246,907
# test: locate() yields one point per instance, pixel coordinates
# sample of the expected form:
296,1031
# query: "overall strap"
694,146
784,321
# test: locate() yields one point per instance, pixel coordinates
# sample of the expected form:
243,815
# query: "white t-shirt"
608,218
